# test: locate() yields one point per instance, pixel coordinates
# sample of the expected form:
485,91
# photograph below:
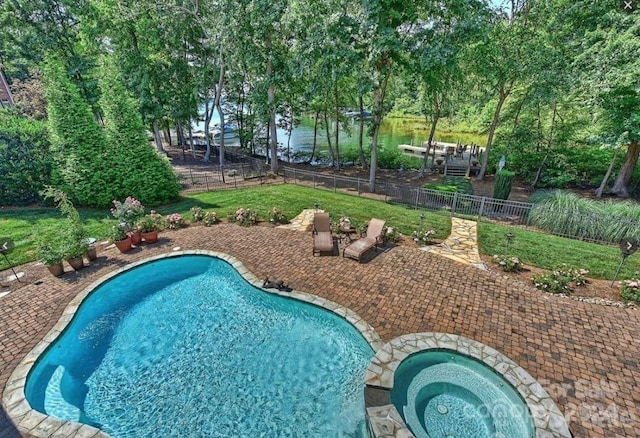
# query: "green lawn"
25,226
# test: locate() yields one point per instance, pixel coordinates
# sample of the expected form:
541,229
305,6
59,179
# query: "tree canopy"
540,78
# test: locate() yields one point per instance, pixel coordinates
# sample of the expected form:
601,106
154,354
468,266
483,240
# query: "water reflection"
393,132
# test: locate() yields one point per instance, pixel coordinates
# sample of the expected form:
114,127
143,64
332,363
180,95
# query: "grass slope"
533,248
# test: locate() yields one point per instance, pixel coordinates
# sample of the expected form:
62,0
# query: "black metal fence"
476,207
234,174
247,171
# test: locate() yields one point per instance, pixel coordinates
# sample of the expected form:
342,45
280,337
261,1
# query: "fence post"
417,195
334,183
206,182
484,198
358,186
314,180
386,190
453,204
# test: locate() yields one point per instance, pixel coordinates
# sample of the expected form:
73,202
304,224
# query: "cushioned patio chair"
322,235
373,238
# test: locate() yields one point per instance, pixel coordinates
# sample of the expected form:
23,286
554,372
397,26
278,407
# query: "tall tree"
609,64
153,182
78,144
500,60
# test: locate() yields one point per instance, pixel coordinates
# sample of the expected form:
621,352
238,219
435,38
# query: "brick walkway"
586,356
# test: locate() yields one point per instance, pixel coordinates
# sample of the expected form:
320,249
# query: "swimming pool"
184,346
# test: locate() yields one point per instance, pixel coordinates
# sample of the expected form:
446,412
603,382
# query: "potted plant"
149,225
74,250
128,213
50,252
120,238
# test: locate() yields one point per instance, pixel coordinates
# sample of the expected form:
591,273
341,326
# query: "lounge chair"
372,238
322,236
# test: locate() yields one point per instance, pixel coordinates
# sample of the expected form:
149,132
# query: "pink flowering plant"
630,289
175,221
128,212
244,217
561,280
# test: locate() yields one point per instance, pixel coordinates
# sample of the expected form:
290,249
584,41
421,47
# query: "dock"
451,159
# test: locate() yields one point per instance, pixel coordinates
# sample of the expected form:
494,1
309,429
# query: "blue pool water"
186,347
442,394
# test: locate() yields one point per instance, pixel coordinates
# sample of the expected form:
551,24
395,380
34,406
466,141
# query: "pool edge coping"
28,420
385,421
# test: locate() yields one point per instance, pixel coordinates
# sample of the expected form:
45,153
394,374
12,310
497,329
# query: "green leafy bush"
630,289
197,213
507,263
276,216
452,184
210,218
561,280
25,164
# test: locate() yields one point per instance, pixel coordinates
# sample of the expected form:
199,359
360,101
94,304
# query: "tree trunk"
378,102
549,144
157,136
193,147
607,175
437,107
180,138
315,137
326,128
218,106
337,129
271,99
492,130
208,114
620,187
363,160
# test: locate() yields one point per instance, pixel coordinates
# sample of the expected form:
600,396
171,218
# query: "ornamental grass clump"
630,289
561,280
566,214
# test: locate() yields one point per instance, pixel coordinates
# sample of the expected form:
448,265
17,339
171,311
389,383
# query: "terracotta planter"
123,245
136,237
56,269
76,263
151,236
92,253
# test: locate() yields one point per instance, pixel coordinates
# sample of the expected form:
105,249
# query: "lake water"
393,132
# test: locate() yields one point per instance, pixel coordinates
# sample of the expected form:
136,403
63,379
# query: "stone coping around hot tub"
37,424
386,422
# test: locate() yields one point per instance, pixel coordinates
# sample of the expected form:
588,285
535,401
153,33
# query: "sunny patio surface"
586,356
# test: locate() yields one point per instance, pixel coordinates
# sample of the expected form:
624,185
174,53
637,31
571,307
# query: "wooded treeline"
540,77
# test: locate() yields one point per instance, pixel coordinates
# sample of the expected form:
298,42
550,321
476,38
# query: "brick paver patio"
586,356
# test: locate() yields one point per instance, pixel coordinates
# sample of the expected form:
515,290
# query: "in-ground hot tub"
444,385
441,393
